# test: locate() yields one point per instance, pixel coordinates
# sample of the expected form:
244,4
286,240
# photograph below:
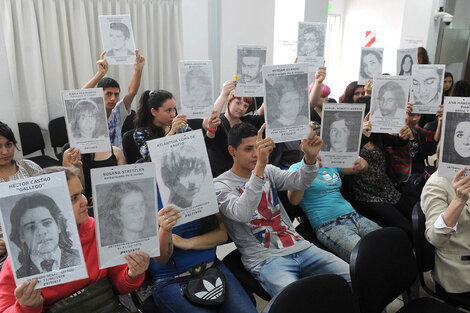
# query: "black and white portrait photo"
405,60
426,88
388,103
184,175
118,38
311,39
456,147
286,102
341,130
125,208
196,88
126,211
86,120
40,227
371,64
250,60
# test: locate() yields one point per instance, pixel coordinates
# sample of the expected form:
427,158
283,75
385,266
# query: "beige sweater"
450,271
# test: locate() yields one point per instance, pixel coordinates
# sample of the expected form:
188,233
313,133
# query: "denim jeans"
342,234
168,298
279,271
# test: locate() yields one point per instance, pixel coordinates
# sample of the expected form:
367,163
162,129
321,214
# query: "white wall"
244,22
195,29
383,16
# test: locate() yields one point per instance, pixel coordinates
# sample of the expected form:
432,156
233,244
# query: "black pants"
387,214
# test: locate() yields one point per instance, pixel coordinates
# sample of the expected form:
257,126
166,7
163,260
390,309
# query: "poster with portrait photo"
311,44
118,38
287,110
341,131
455,137
405,60
85,117
196,88
250,61
371,64
388,103
40,231
125,210
426,87
184,175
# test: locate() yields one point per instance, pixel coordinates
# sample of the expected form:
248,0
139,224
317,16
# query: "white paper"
410,42
184,174
250,60
405,60
455,137
426,90
125,209
118,38
388,103
85,116
311,44
39,225
196,88
287,109
341,131
371,64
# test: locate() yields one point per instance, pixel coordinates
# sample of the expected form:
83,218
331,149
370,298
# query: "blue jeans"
342,234
279,271
168,298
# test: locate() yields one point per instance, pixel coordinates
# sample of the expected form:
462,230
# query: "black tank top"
89,162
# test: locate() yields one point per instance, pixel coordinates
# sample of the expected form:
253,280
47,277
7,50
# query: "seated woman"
155,118
9,168
374,193
334,220
445,203
124,278
192,249
216,138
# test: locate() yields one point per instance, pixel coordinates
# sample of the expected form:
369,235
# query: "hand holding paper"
102,65
311,146
264,147
367,126
320,75
27,296
139,61
138,263
167,218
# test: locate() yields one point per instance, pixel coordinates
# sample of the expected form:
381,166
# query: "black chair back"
129,148
58,134
382,267
31,138
195,123
326,293
128,123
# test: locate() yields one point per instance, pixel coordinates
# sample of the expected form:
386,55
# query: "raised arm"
315,94
134,84
227,88
102,66
205,241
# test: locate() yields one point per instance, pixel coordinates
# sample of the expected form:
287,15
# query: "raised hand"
367,126
360,165
178,121
311,146
406,133
368,88
72,158
102,64
167,218
27,296
461,185
264,147
228,86
139,61
320,75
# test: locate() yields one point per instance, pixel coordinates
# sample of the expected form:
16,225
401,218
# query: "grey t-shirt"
255,218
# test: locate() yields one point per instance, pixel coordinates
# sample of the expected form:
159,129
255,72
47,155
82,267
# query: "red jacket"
118,275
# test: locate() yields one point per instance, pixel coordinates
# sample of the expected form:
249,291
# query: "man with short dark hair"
271,249
116,110
39,229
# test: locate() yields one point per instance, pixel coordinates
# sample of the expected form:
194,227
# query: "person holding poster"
335,222
271,249
116,109
61,298
191,250
445,203
156,117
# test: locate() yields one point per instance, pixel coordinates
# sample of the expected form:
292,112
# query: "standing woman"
156,117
